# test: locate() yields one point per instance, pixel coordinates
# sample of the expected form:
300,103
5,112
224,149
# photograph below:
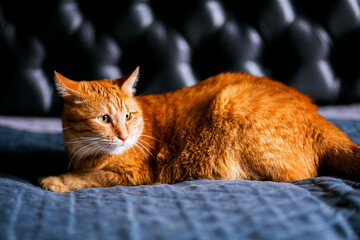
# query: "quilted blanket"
318,208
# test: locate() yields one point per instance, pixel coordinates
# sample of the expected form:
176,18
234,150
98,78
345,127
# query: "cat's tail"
338,152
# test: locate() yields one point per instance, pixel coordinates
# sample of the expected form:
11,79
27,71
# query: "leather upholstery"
311,45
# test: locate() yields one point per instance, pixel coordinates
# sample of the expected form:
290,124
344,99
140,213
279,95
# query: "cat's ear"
128,82
67,88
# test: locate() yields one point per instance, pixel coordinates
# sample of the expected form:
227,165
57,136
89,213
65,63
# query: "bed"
326,207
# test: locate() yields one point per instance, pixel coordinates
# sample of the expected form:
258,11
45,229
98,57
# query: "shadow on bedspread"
31,155
319,208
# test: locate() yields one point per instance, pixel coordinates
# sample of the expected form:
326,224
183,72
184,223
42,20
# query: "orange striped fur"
230,126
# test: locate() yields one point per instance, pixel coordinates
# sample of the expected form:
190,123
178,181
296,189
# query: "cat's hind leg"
265,135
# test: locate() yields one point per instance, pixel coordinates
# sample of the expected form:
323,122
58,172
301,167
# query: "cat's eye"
104,119
128,116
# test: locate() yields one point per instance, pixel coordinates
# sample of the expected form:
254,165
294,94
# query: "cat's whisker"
73,155
98,145
145,142
81,157
149,137
88,140
82,154
144,92
85,139
132,147
146,149
88,145
87,151
139,147
79,142
93,150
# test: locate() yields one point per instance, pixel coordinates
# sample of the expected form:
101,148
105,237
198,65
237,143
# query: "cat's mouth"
94,145
117,146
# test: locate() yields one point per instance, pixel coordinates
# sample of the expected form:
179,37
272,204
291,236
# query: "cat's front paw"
54,184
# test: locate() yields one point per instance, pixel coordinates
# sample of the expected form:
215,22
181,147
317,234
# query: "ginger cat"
230,126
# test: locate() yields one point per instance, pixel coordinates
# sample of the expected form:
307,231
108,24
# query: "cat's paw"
54,184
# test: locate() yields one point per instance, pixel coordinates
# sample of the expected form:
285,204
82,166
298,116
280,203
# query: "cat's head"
100,117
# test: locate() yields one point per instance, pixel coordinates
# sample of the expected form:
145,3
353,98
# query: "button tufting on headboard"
311,45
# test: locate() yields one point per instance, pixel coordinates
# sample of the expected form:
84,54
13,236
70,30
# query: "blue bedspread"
319,208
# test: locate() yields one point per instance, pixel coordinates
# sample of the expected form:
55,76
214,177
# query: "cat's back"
246,85
245,90
241,98
227,95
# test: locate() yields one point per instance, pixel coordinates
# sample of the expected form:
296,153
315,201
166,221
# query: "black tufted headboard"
311,45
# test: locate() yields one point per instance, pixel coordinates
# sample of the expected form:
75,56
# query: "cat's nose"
124,137
123,134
